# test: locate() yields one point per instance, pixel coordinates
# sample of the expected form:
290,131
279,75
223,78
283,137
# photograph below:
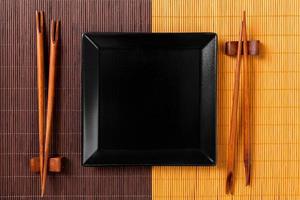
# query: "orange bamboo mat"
275,91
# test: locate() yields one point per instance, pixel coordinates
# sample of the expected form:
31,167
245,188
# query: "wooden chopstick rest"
231,48
55,164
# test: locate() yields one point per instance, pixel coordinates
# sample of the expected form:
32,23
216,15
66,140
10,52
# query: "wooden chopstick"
246,106
39,16
54,38
233,122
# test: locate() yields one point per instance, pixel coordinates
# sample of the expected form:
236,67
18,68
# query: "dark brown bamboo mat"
18,99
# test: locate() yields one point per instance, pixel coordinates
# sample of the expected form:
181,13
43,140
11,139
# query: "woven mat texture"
18,99
275,99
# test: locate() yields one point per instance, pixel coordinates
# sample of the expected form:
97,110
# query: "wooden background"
18,99
275,91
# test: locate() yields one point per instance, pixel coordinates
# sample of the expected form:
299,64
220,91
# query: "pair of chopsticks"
245,113
44,146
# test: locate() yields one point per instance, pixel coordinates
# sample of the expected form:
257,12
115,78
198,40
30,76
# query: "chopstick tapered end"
229,183
244,17
43,190
54,30
247,173
39,17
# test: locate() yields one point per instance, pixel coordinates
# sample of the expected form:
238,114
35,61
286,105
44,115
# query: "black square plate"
149,98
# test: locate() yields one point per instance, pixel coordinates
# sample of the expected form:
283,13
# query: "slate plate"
149,98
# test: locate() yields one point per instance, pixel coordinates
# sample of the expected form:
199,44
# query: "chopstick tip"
39,15
43,190
247,173
229,183
54,30
244,15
